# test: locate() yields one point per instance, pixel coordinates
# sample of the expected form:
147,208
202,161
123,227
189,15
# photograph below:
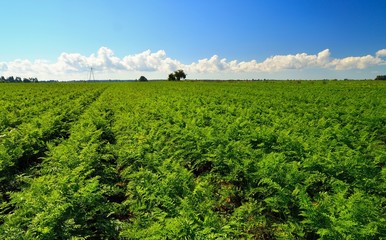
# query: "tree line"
381,77
174,76
18,79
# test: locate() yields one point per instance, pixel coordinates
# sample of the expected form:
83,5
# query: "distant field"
193,160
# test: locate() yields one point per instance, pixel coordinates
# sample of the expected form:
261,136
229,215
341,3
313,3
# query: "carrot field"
193,160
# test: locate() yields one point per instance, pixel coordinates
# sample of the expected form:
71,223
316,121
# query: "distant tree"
177,75
10,79
26,80
180,74
381,77
142,79
2,79
171,77
18,79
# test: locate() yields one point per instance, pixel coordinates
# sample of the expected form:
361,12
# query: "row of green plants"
66,198
22,145
201,160
21,103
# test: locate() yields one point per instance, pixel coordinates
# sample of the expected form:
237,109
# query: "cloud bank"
75,65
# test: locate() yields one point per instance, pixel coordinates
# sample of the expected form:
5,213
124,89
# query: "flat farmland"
193,160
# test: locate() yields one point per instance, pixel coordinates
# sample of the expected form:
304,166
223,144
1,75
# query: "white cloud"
148,61
324,57
275,63
381,53
285,62
214,64
104,62
71,62
280,62
3,66
356,62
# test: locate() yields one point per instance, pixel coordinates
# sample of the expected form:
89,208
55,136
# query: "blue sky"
123,39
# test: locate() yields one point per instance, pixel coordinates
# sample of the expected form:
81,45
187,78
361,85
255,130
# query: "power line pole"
91,75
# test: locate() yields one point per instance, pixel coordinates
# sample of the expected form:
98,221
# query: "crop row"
23,145
64,198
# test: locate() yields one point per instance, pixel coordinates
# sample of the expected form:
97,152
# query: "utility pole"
91,75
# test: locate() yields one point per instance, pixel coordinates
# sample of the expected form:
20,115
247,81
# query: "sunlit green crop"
193,160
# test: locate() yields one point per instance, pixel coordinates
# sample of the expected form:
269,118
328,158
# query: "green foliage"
11,79
381,77
172,77
231,160
142,79
177,75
